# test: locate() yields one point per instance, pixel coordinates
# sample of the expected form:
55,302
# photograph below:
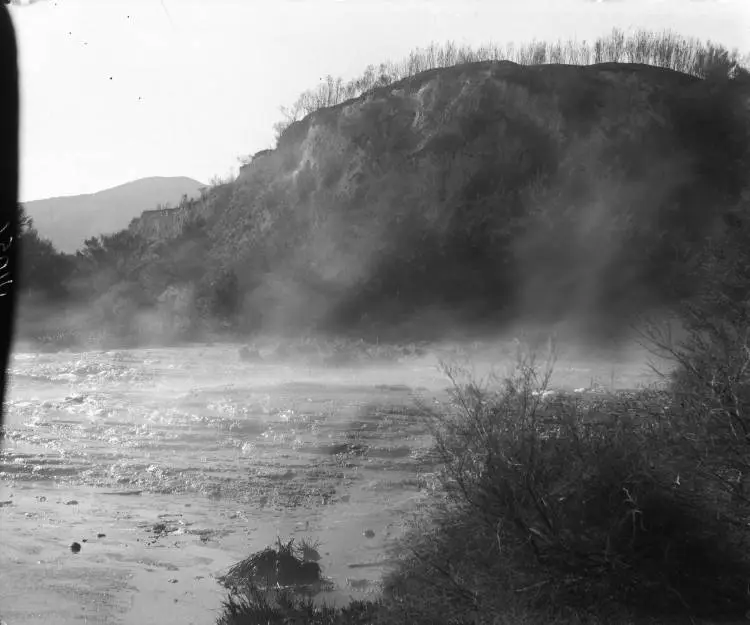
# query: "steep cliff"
169,223
483,192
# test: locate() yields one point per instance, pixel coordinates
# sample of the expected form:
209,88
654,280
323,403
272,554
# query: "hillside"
473,195
68,221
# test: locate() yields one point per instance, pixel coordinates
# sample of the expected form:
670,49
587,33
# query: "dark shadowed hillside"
478,194
68,221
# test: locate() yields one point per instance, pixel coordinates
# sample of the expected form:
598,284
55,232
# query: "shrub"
710,371
545,505
265,589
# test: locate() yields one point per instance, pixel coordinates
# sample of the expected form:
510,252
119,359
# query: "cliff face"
165,223
485,189
169,223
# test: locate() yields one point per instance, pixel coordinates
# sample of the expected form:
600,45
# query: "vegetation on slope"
667,50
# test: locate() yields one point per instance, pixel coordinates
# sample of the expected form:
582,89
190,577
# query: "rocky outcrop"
169,223
165,223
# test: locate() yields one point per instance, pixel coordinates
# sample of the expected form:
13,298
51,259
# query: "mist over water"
226,454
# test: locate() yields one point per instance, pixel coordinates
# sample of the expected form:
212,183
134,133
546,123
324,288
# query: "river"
169,465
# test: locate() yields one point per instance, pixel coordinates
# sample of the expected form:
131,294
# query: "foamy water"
220,456
227,454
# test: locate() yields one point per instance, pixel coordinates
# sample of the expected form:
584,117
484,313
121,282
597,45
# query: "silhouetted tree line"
44,270
667,50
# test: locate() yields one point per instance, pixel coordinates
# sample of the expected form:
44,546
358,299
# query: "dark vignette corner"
9,138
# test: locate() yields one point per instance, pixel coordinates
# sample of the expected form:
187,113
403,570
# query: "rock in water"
247,353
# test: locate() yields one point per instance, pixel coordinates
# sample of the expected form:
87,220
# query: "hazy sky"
113,91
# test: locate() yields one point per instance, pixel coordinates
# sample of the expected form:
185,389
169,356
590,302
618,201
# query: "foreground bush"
567,510
710,367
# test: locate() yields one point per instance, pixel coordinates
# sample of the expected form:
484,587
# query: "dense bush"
592,515
44,270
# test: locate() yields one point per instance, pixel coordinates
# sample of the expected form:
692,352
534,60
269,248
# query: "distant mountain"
68,221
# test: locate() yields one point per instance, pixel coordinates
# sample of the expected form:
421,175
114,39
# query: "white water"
102,446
